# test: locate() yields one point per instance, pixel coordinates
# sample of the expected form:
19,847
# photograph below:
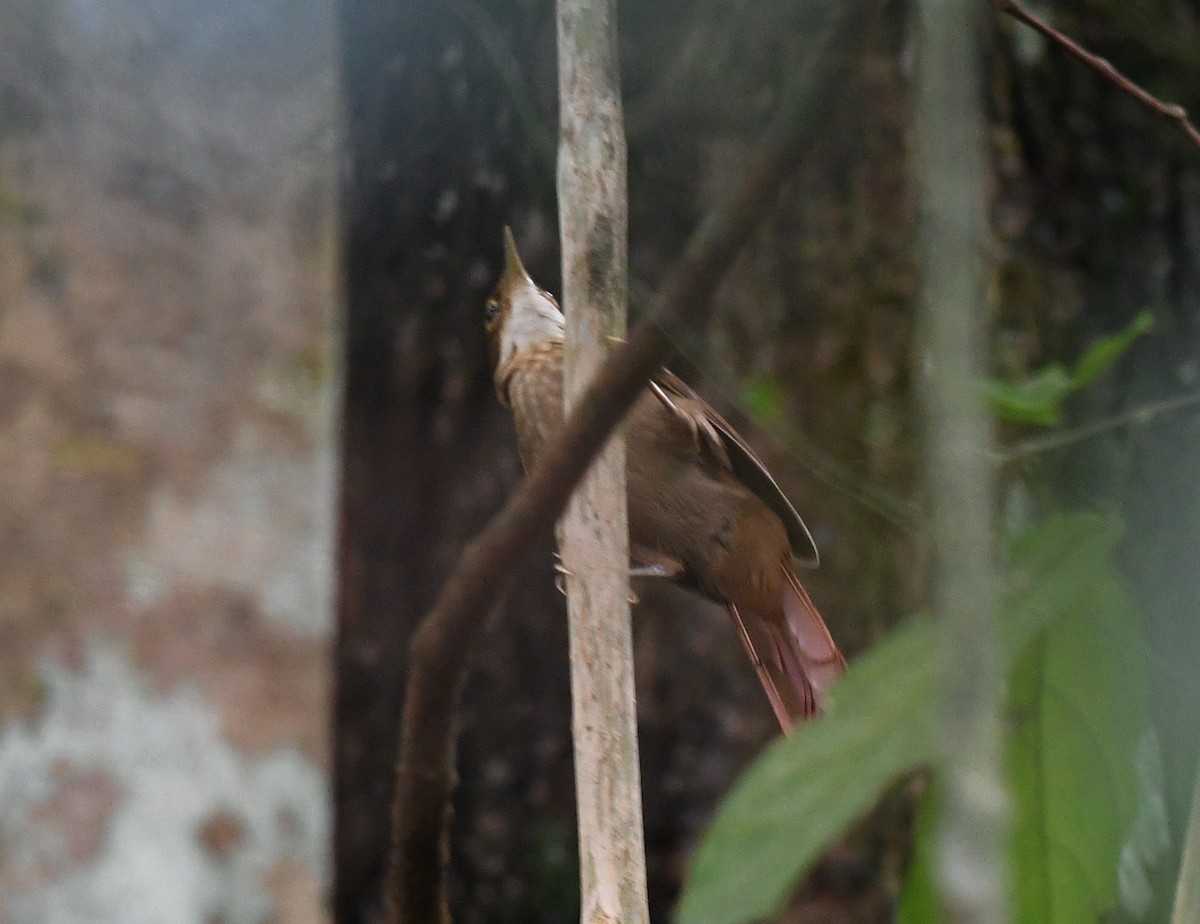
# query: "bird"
704,511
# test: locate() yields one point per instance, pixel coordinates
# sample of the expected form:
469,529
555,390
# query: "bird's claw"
561,573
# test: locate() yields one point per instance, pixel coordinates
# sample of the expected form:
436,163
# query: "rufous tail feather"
795,657
768,676
816,651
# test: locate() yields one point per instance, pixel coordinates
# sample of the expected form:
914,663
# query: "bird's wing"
720,436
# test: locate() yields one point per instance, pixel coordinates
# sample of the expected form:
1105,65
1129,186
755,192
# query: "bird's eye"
491,309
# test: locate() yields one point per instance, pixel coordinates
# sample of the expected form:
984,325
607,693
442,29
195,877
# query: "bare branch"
1101,66
416,882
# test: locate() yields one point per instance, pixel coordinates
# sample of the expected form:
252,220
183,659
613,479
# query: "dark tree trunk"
440,152
431,174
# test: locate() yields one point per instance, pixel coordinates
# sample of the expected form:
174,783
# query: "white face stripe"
533,318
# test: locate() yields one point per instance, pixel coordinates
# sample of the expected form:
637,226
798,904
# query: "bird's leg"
652,571
647,564
561,573
651,564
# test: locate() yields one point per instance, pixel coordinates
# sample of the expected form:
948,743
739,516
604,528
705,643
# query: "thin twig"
1142,414
1171,111
441,646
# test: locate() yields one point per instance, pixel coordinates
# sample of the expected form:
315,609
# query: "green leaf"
1037,400
1106,351
1077,707
918,899
881,723
1049,566
805,790
1078,701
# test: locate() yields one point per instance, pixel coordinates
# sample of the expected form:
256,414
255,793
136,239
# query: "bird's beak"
514,270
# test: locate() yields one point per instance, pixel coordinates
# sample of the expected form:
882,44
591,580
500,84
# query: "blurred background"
247,422
169,390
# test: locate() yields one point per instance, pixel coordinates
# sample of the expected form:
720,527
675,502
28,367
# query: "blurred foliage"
1077,706
1149,836
1078,713
1078,703
1078,691
807,789
763,399
1039,398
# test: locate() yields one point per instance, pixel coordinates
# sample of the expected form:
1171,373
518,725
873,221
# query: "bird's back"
683,502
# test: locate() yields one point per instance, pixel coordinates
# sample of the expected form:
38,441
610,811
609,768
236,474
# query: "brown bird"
703,510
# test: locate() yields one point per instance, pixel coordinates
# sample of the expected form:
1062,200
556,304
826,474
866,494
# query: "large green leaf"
807,789
1049,567
1078,705
919,901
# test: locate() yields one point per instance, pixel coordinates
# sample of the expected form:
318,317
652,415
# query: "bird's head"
517,315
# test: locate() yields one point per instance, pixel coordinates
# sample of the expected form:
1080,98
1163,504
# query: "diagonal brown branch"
1172,111
416,876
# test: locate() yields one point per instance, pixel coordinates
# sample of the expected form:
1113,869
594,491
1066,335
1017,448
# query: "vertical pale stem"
1187,887
593,535
951,176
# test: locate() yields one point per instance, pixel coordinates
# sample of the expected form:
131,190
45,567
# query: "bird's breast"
533,387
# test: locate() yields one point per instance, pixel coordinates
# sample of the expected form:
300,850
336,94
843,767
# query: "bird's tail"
795,657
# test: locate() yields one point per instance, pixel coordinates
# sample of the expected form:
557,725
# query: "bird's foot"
562,572
560,575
